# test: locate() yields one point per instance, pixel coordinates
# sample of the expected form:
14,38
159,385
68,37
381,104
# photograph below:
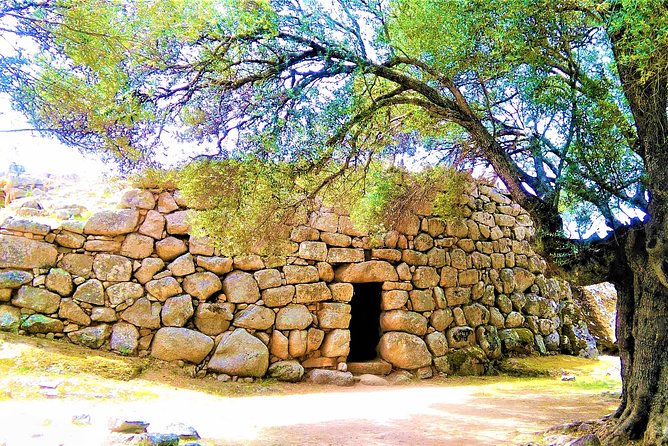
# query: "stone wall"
456,295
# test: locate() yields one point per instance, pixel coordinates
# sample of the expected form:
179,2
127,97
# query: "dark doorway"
365,322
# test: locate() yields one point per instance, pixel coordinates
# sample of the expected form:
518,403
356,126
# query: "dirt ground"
45,384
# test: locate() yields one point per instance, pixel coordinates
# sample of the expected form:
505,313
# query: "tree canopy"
564,100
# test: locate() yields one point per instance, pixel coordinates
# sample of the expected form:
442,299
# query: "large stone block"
300,274
345,255
177,223
112,268
91,337
312,292
164,288
137,246
241,287
293,317
14,278
71,311
425,277
37,299
255,317
313,250
59,281
112,222
336,343
77,264
278,297
288,371
177,310
23,253
91,291
174,343
154,224
217,265
461,337
404,350
170,248
364,272
240,354
124,338
407,321
40,324
10,318
137,199
126,292
202,285
214,318
143,314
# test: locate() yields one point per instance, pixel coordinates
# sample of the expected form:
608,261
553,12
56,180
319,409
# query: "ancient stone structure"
432,297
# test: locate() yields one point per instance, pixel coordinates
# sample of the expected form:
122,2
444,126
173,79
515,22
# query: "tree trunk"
642,334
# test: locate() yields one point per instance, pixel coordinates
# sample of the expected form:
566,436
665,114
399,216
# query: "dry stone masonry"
431,297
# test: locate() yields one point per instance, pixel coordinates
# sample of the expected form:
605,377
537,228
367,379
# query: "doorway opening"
365,322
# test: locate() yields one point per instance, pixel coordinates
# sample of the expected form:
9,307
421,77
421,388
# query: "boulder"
240,354
425,277
103,314
279,345
124,292
297,343
476,315
39,324
342,292
164,288
59,281
124,338
14,279
404,350
288,371
406,321
470,361
437,343
202,285
137,246
143,314
461,337
177,223
523,279
91,291
336,343
112,223
149,268
72,312
214,318
278,297
112,268
170,248
345,255
293,317
91,337
363,272
154,224
241,287
300,274
217,265
37,299
172,344
201,246
166,203
70,240
268,278
255,317
77,264
24,253
248,263
330,377
10,318
312,292
313,250
177,310
137,199
182,265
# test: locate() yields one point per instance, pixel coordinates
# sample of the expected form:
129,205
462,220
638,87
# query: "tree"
565,100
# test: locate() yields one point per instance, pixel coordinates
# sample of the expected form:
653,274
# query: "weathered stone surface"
330,377
333,318
371,271
422,300
461,337
470,361
153,225
411,257
514,319
278,297
70,240
91,337
59,281
102,246
476,315
407,321
174,343
149,267
328,222
341,292
71,311
91,291
217,265
240,354
214,318
143,314
10,318
37,299
425,277
288,371
293,317
279,345
126,292
23,253
164,288
297,343
241,287
255,317
391,255
336,343
201,246
177,310
170,248
25,225
137,199
14,278
346,226
345,255
334,239
517,340
112,268
38,323
103,314
489,341
423,242
312,292
373,380
325,271
303,233
268,278
300,274
441,319
177,223
124,338
202,285
458,296
523,279
248,263
137,246
404,350
437,343
182,265
313,250
77,264
167,203
393,299
112,222
314,339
